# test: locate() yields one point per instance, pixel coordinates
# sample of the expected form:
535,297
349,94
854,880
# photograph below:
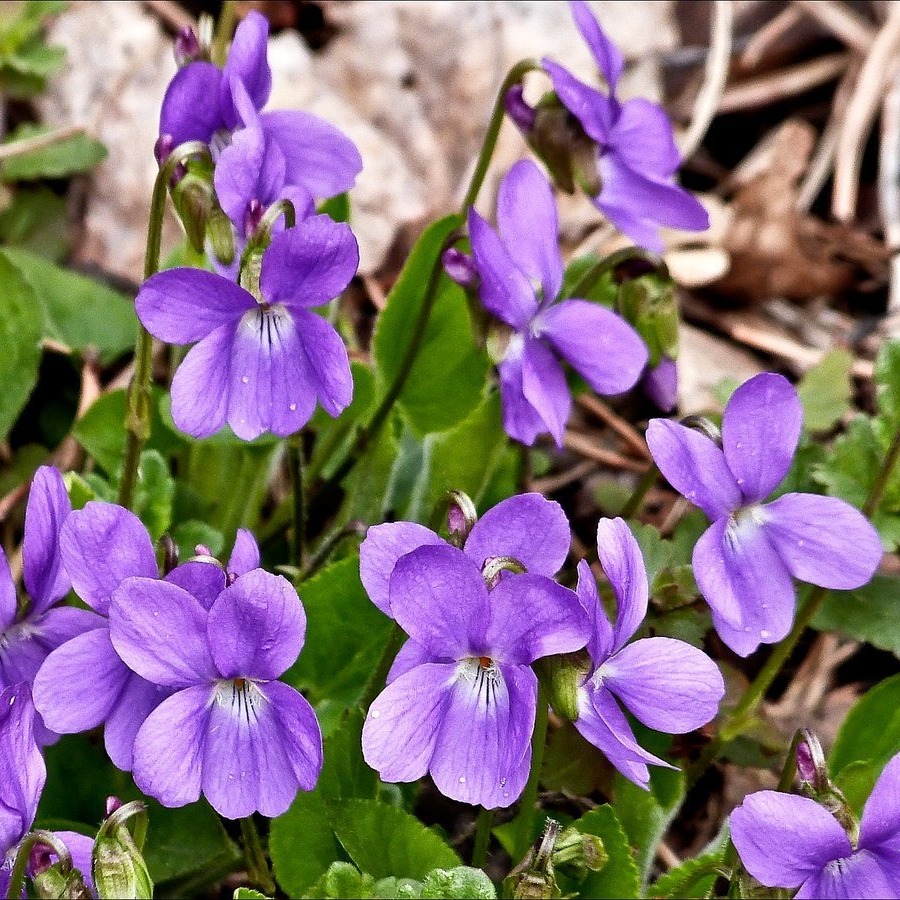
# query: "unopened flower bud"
163,148
53,883
561,675
253,216
112,804
581,852
194,199
119,867
551,137
660,384
220,235
460,268
461,517
650,304
520,111
186,47
811,766
170,560
495,566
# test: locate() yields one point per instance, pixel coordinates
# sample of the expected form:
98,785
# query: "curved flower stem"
367,434
514,76
736,721
608,263
528,803
257,867
137,415
482,837
224,30
23,855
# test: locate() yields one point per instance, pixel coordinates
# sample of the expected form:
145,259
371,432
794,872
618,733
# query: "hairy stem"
367,434
528,803
257,867
376,682
137,415
633,504
514,76
297,464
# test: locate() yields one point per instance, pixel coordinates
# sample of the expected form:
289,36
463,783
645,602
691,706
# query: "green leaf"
154,493
693,878
183,842
79,312
620,876
337,207
856,781
462,458
345,635
20,336
825,391
248,894
871,731
101,431
647,815
68,156
571,763
869,613
302,844
345,773
36,221
463,882
887,379
383,840
604,289
187,535
448,376
342,880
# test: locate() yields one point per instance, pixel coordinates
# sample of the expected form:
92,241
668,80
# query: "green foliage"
101,431
66,156
384,841
26,61
20,335
463,458
620,876
647,815
248,894
851,471
344,880
825,391
867,614
693,878
73,305
36,221
345,635
337,207
603,290
447,379
871,731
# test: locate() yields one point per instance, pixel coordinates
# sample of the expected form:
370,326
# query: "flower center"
242,697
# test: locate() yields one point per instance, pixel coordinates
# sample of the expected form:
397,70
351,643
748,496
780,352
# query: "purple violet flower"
463,710
744,561
660,384
202,103
229,729
521,274
29,632
84,683
259,364
788,841
667,684
22,771
636,153
528,527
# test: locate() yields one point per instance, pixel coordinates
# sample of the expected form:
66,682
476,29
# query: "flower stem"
367,434
514,76
482,837
224,30
608,263
528,803
738,719
376,682
633,504
257,867
137,415
296,462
